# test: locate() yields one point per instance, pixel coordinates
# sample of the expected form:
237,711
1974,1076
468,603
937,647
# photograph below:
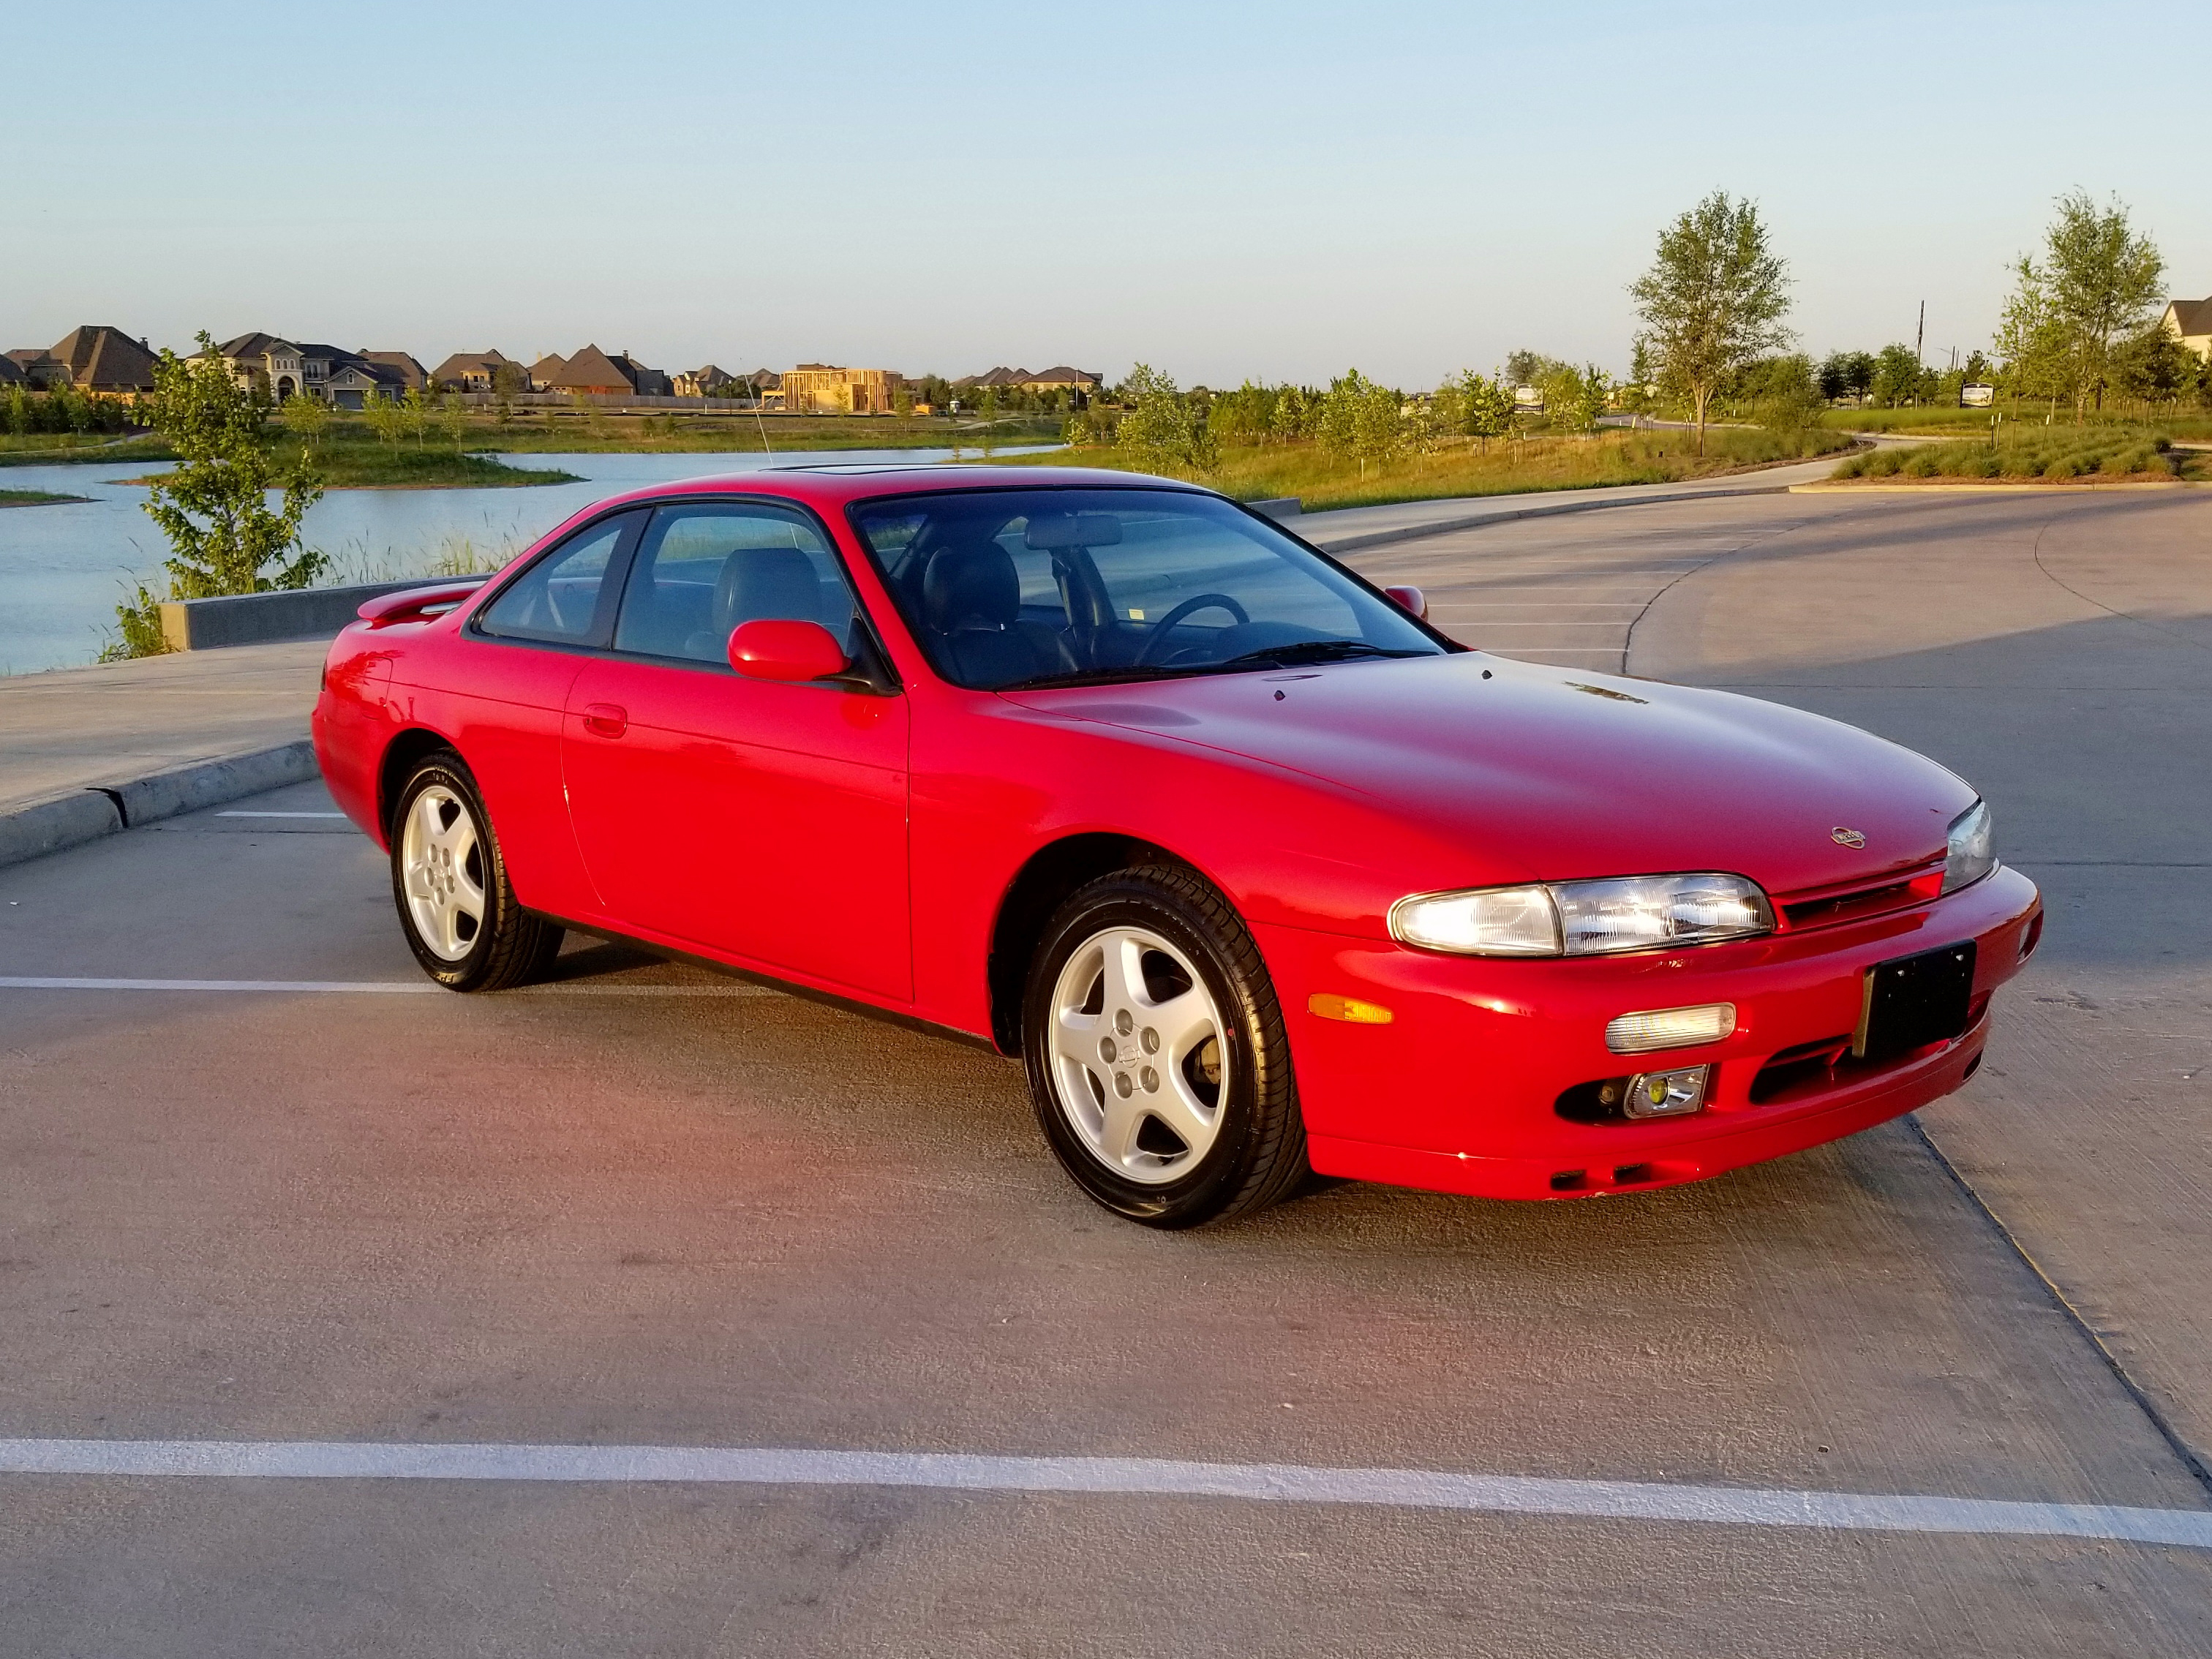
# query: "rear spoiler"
418,604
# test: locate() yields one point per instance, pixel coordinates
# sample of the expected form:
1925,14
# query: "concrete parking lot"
645,1206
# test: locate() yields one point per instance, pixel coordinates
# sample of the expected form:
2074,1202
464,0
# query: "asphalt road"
644,1206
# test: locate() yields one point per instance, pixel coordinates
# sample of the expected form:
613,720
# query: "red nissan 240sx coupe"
1257,872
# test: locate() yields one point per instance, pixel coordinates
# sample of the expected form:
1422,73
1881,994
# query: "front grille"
1826,907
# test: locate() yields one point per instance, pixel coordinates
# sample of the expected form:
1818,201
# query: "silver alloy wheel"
441,864
1139,1064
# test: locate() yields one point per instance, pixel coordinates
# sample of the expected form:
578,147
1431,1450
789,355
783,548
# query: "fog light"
1670,1028
1666,1094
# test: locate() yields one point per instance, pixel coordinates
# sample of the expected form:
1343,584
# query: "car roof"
833,484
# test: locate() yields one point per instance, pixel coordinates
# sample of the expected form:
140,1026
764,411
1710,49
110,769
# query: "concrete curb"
1320,536
86,815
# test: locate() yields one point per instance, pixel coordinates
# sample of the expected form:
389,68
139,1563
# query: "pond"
63,569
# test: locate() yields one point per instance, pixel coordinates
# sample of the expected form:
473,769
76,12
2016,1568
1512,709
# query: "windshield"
1013,587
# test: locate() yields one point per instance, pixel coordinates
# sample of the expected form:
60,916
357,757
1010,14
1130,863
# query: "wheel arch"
406,751
1049,876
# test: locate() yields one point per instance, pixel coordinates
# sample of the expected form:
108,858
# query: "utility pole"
1919,336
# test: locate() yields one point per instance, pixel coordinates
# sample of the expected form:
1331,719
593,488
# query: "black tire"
1259,1152
509,946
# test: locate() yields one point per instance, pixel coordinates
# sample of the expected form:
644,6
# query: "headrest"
775,582
966,585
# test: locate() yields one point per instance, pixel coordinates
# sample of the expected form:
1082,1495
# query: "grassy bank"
351,464
591,433
343,465
34,498
353,458
2037,455
68,448
1321,481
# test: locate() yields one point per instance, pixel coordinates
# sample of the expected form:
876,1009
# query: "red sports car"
1256,871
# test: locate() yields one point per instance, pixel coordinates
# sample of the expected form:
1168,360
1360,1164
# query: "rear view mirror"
771,649
1411,600
1050,532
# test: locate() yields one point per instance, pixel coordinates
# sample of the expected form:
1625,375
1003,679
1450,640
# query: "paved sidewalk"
80,728
1350,529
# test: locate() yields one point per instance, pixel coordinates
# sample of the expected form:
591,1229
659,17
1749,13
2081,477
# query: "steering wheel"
1160,630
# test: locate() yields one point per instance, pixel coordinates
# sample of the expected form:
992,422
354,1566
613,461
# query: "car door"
508,678
755,819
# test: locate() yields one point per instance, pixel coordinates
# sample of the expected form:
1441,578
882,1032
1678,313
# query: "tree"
383,416
1295,414
1245,416
1713,300
2099,283
1526,367
1160,430
1846,374
417,409
305,417
214,505
2154,366
1896,375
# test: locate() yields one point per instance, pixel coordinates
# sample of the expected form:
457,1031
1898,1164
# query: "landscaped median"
2047,455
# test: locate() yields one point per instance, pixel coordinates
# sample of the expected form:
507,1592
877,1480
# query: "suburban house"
826,389
1001,377
274,365
2190,321
1080,381
354,380
91,359
98,359
708,382
473,371
317,363
593,373
411,373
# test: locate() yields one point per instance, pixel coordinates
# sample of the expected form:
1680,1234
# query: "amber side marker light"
1350,1010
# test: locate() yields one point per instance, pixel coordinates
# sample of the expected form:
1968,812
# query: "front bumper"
1458,1092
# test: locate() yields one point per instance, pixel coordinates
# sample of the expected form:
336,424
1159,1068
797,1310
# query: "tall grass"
1471,467
2055,454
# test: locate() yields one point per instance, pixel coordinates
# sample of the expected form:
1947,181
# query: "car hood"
1526,771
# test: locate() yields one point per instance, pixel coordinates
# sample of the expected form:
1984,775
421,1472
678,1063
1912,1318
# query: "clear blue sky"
1274,191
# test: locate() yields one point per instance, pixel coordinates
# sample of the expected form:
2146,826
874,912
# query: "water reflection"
63,568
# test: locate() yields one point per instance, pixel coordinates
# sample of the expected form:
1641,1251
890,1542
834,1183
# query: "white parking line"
371,986
280,814
1415,1488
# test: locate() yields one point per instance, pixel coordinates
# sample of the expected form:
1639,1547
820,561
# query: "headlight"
1583,918
1969,857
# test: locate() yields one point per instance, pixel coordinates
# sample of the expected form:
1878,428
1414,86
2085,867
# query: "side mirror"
771,649
1411,599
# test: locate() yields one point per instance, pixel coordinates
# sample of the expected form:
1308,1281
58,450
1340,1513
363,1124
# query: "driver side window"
703,568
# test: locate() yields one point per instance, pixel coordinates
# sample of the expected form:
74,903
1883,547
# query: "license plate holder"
1910,1002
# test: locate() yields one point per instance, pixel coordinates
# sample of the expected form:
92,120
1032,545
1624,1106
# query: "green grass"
1321,481
2038,454
34,498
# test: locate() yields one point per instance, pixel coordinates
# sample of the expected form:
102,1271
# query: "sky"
1272,192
